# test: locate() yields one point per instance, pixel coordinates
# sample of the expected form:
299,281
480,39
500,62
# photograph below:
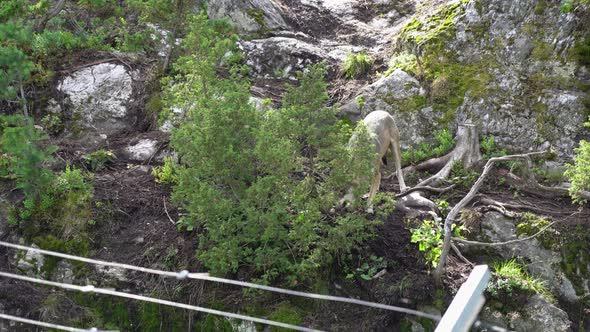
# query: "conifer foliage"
260,186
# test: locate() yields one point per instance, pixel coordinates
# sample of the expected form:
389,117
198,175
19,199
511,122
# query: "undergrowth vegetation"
511,279
357,65
579,172
444,143
259,187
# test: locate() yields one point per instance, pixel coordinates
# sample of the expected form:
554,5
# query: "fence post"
467,303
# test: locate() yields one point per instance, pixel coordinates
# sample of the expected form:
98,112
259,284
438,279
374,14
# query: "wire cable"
49,325
92,289
205,276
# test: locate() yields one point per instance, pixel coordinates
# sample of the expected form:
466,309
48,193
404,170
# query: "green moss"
544,120
542,51
540,7
286,313
530,224
451,81
404,61
434,26
413,103
576,258
79,246
581,50
258,16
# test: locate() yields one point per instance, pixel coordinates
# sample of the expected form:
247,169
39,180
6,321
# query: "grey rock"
282,56
64,273
242,326
31,262
541,315
544,263
143,150
246,15
111,275
537,314
99,95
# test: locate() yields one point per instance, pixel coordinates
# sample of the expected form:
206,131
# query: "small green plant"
97,160
444,207
52,124
357,65
368,269
404,61
510,278
461,176
385,205
444,143
579,173
490,149
567,6
166,173
429,238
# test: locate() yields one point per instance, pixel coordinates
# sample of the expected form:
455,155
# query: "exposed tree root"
491,202
468,198
466,151
497,244
529,184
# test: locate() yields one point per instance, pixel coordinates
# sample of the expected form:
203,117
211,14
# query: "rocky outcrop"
248,16
542,263
387,94
98,98
281,57
537,314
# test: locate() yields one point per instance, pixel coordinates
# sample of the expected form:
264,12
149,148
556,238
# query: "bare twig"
458,253
166,210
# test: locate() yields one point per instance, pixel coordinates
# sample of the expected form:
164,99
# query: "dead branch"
458,253
457,208
51,14
497,244
529,184
166,210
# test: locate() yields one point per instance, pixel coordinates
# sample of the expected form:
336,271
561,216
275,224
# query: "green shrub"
286,313
357,65
579,172
52,123
97,160
260,186
21,143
